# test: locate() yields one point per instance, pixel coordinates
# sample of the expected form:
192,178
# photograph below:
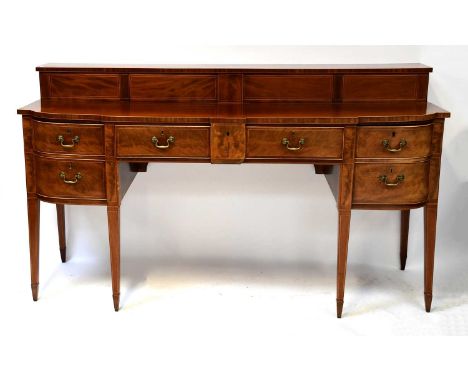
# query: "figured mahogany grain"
230,87
167,87
274,83
79,85
136,141
91,138
380,87
288,88
418,141
49,183
412,190
227,142
320,142
252,113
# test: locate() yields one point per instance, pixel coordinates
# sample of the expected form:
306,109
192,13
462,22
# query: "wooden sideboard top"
257,112
249,68
236,83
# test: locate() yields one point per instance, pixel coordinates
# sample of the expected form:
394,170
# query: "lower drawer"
396,183
74,179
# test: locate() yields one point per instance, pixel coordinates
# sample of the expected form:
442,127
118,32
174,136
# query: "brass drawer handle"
386,145
384,180
73,181
169,140
61,140
285,142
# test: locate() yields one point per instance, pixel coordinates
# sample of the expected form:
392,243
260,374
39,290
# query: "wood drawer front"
90,138
412,141
319,142
90,185
188,141
369,189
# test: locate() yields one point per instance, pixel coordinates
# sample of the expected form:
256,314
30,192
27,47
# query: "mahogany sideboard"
367,128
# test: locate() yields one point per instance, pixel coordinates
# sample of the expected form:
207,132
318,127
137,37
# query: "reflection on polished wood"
368,128
184,112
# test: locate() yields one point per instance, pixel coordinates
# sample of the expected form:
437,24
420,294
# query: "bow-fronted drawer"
80,179
69,138
391,183
394,141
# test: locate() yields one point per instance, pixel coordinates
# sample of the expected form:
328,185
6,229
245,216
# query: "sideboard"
367,128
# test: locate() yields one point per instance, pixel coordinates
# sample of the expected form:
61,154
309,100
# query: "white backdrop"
225,254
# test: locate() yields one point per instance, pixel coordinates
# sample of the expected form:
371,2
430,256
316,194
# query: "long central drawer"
294,142
163,141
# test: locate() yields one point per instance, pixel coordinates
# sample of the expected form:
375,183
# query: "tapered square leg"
61,231
113,219
404,229
430,220
34,224
344,220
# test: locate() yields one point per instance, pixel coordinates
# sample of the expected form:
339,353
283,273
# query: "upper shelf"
241,83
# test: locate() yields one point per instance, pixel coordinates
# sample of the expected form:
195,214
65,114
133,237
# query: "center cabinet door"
294,142
163,141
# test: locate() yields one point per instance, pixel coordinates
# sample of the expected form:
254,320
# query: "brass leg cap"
403,264
34,289
339,308
63,254
428,302
116,299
